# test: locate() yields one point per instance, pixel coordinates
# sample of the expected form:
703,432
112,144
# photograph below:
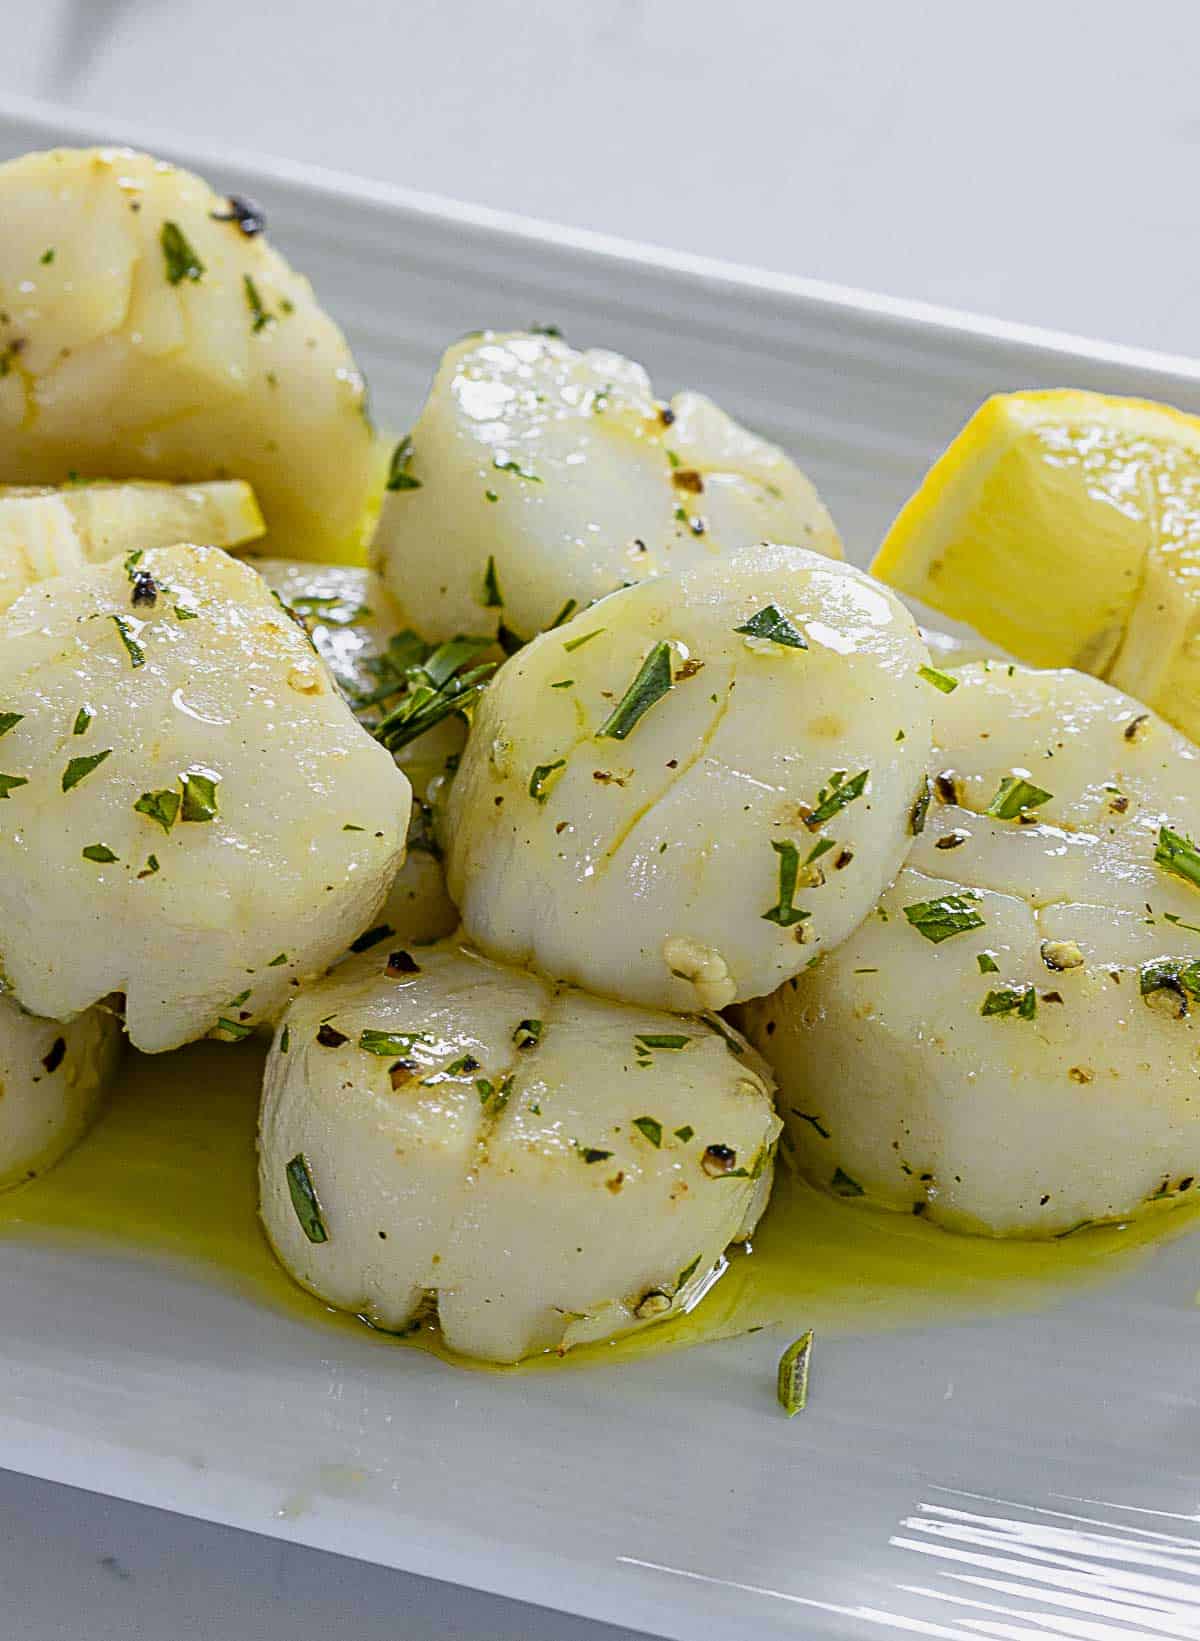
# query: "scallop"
1009,1043
192,816
545,1167
548,477
685,794
148,331
359,632
53,1079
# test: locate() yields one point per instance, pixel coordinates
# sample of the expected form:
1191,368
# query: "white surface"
825,141
1035,163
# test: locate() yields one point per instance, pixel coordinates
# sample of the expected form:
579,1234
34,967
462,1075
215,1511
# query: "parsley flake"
1177,854
135,652
79,768
1018,1000
651,1129
834,797
771,623
653,681
261,318
199,794
578,643
784,912
939,680
391,1043
399,477
9,720
944,916
1014,796
181,260
539,781
99,852
162,807
304,1199
82,719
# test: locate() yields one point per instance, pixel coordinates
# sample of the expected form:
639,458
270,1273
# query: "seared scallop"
53,1079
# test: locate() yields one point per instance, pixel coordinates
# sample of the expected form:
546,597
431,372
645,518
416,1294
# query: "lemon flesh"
48,532
1065,527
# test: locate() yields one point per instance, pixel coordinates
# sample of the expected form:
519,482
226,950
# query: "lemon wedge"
1065,527
49,532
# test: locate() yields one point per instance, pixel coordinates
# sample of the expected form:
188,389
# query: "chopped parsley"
539,781
791,1385
493,599
162,807
834,797
391,1043
1014,796
399,477
435,683
565,614
843,1186
920,809
9,783
199,794
784,912
687,1273
80,768
944,916
1173,974
528,1034
1177,854
939,680
261,318
99,852
578,643
135,652
659,1039
47,257
151,866
771,623
651,1129
278,962
1018,1000
508,465
82,719
684,1134
234,1028
304,1199
181,260
589,1153
9,720
653,681
987,963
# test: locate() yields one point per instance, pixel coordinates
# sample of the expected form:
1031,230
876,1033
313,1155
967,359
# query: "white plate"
1019,1473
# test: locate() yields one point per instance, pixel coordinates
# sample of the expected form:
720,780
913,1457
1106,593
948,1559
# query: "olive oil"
170,1170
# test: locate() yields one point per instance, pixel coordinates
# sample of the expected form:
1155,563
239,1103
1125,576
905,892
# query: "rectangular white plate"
1011,1473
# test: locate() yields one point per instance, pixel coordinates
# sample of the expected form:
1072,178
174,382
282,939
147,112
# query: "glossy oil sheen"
170,1171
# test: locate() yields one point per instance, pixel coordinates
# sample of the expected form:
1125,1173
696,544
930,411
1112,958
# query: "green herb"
653,681
135,652
199,794
277,962
236,1029
578,643
9,783
589,1153
79,768
381,931
684,1134
9,720
350,827
304,1199
182,261
565,614
47,257
773,624
1178,854
528,1034
947,915
399,478
285,1039
1014,796
1174,974
987,963
254,301
651,1128
391,1042
82,719
536,330
785,913
236,1002
99,852
791,1385
835,796
563,683
538,788
939,680
672,1040
462,1067
920,809
1018,1000
435,683
844,1186
183,614
151,866
492,597
490,495
509,641
161,806
687,1273
508,465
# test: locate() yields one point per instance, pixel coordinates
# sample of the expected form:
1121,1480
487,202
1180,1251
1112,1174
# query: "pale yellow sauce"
169,1170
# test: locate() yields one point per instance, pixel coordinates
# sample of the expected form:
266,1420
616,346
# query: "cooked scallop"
358,630
52,1080
191,814
47,532
538,478
685,794
148,331
548,1167
1009,1043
